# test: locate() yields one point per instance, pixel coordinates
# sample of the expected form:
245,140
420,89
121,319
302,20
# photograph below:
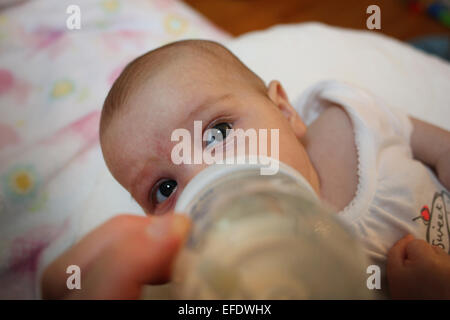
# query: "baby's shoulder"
332,150
335,116
333,126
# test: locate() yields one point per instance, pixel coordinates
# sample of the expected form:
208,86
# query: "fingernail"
180,225
171,225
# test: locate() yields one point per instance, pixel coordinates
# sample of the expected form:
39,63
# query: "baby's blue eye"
218,133
164,190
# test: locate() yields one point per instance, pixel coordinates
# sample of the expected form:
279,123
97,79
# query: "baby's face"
137,143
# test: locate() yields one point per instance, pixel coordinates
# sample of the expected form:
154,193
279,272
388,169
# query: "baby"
385,173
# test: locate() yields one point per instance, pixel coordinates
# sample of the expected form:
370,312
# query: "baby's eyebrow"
207,104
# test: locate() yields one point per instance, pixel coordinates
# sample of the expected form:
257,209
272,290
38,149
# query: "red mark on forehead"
162,148
159,148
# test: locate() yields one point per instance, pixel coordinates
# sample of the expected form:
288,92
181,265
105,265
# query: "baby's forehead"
189,73
184,85
170,86
169,99
154,112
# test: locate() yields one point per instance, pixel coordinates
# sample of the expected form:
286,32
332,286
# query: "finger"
145,257
166,238
85,251
88,247
439,250
397,254
418,250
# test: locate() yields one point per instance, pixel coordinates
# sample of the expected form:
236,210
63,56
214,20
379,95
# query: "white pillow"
54,185
302,54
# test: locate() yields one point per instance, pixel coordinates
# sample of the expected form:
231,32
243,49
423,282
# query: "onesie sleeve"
364,107
401,122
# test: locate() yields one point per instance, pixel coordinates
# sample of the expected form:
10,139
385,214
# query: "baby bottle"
264,237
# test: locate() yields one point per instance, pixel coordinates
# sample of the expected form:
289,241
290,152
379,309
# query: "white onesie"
396,194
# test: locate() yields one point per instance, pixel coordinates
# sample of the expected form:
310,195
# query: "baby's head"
171,87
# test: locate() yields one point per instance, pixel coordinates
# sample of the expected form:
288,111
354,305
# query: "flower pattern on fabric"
46,152
6,81
21,183
175,25
110,5
8,136
62,88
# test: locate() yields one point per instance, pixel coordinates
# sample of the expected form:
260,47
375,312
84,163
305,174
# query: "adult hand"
119,257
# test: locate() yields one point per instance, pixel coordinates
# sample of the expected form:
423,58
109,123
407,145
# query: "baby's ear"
279,97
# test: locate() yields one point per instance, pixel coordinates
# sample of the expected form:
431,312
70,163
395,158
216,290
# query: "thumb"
166,235
397,254
418,250
142,257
